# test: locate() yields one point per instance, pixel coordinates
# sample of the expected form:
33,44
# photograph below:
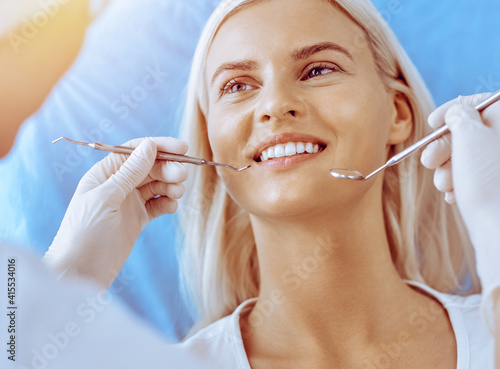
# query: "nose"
278,101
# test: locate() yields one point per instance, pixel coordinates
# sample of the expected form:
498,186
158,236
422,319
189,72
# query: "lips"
288,144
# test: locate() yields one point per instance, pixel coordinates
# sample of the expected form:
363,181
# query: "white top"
220,345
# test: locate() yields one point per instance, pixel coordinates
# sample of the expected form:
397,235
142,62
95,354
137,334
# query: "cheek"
217,142
228,131
224,135
359,117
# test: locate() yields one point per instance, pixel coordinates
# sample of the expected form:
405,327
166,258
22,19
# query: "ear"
402,119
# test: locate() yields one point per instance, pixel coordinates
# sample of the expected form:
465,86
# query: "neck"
331,274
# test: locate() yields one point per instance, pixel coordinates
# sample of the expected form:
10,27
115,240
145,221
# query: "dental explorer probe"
161,155
396,159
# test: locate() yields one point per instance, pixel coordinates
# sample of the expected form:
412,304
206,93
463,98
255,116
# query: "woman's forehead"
278,27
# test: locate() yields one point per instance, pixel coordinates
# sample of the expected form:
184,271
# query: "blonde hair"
427,237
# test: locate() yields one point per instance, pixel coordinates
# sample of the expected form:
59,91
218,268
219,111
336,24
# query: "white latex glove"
468,169
112,204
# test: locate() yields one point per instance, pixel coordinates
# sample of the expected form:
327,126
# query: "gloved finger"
437,152
436,119
130,175
465,118
171,144
160,206
105,168
443,179
156,188
102,170
163,143
450,198
166,171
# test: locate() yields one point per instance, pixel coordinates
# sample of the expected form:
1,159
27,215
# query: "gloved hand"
468,169
112,204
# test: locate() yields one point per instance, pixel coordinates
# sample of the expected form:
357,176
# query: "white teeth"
279,150
289,149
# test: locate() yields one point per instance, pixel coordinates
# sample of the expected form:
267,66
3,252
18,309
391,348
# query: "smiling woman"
315,270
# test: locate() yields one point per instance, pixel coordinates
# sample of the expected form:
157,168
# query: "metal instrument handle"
438,133
160,154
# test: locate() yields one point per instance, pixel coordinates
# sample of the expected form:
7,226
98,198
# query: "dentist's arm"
467,164
112,204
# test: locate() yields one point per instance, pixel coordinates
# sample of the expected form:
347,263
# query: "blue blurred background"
129,81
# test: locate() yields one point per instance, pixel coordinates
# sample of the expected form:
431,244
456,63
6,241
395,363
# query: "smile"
289,149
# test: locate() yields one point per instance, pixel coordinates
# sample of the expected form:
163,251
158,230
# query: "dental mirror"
347,174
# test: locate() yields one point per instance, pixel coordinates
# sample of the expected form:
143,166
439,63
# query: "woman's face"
291,77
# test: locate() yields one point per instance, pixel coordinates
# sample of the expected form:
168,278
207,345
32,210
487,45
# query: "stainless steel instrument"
161,155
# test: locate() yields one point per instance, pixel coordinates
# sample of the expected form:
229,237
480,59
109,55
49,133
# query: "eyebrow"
305,52
299,54
239,65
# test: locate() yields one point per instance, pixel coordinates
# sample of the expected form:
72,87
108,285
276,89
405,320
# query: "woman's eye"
321,70
233,87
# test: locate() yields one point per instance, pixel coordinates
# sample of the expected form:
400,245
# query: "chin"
284,198
284,202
